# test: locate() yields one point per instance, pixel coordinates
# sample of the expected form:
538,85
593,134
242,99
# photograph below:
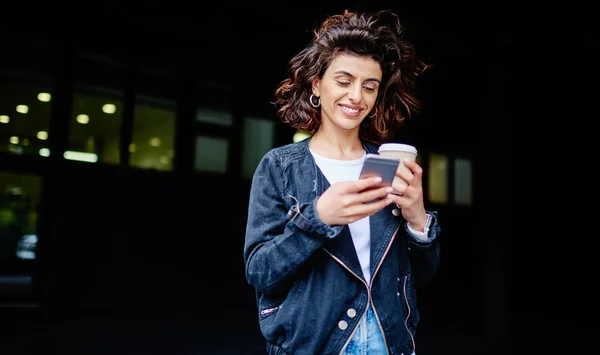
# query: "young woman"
334,272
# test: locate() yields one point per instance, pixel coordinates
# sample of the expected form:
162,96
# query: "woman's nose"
355,94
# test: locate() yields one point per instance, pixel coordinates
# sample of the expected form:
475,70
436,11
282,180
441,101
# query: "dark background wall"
142,262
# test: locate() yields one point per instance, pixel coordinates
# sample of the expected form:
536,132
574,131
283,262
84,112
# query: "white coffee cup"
402,152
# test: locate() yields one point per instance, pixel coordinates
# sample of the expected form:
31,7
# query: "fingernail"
377,179
389,190
388,201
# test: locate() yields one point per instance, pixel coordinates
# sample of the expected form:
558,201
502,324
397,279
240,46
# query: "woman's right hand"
349,201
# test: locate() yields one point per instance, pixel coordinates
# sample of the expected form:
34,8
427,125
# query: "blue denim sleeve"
425,254
279,239
304,216
431,233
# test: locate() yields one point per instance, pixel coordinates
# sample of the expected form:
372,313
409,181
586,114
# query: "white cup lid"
397,147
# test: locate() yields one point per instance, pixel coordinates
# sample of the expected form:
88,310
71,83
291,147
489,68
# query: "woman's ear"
315,87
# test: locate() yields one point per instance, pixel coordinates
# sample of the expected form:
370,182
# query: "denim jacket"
310,290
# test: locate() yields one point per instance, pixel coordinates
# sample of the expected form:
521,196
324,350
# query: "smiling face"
348,90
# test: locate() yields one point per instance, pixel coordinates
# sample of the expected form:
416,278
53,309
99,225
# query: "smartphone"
377,165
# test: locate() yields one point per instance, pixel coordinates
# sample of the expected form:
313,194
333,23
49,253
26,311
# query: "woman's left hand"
410,201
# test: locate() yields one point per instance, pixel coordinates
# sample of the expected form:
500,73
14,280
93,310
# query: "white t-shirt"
349,170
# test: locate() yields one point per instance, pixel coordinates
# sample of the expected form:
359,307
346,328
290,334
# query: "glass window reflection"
19,203
462,182
153,132
211,154
438,178
96,113
95,125
24,114
152,145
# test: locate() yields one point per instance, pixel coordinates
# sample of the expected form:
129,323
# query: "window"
437,189
24,115
25,96
19,204
153,140
215,128
211,154
95,125
96,114
462,182
215,103
258,140
213,116
152,145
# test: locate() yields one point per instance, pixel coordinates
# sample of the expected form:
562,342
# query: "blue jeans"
368,339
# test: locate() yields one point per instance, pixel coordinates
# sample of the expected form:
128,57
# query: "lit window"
211,154
437,189
26,72
19,201
23,115
153,140
462,182
152,144
94,133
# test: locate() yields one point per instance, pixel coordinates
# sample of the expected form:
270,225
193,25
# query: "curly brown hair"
374,35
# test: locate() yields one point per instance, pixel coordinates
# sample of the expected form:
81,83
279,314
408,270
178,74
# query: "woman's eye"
344,83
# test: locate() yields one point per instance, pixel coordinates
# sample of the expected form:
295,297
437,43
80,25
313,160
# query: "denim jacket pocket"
269,311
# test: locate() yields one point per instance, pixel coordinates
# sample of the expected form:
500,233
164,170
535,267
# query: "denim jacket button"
343,325
396,212
351,312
